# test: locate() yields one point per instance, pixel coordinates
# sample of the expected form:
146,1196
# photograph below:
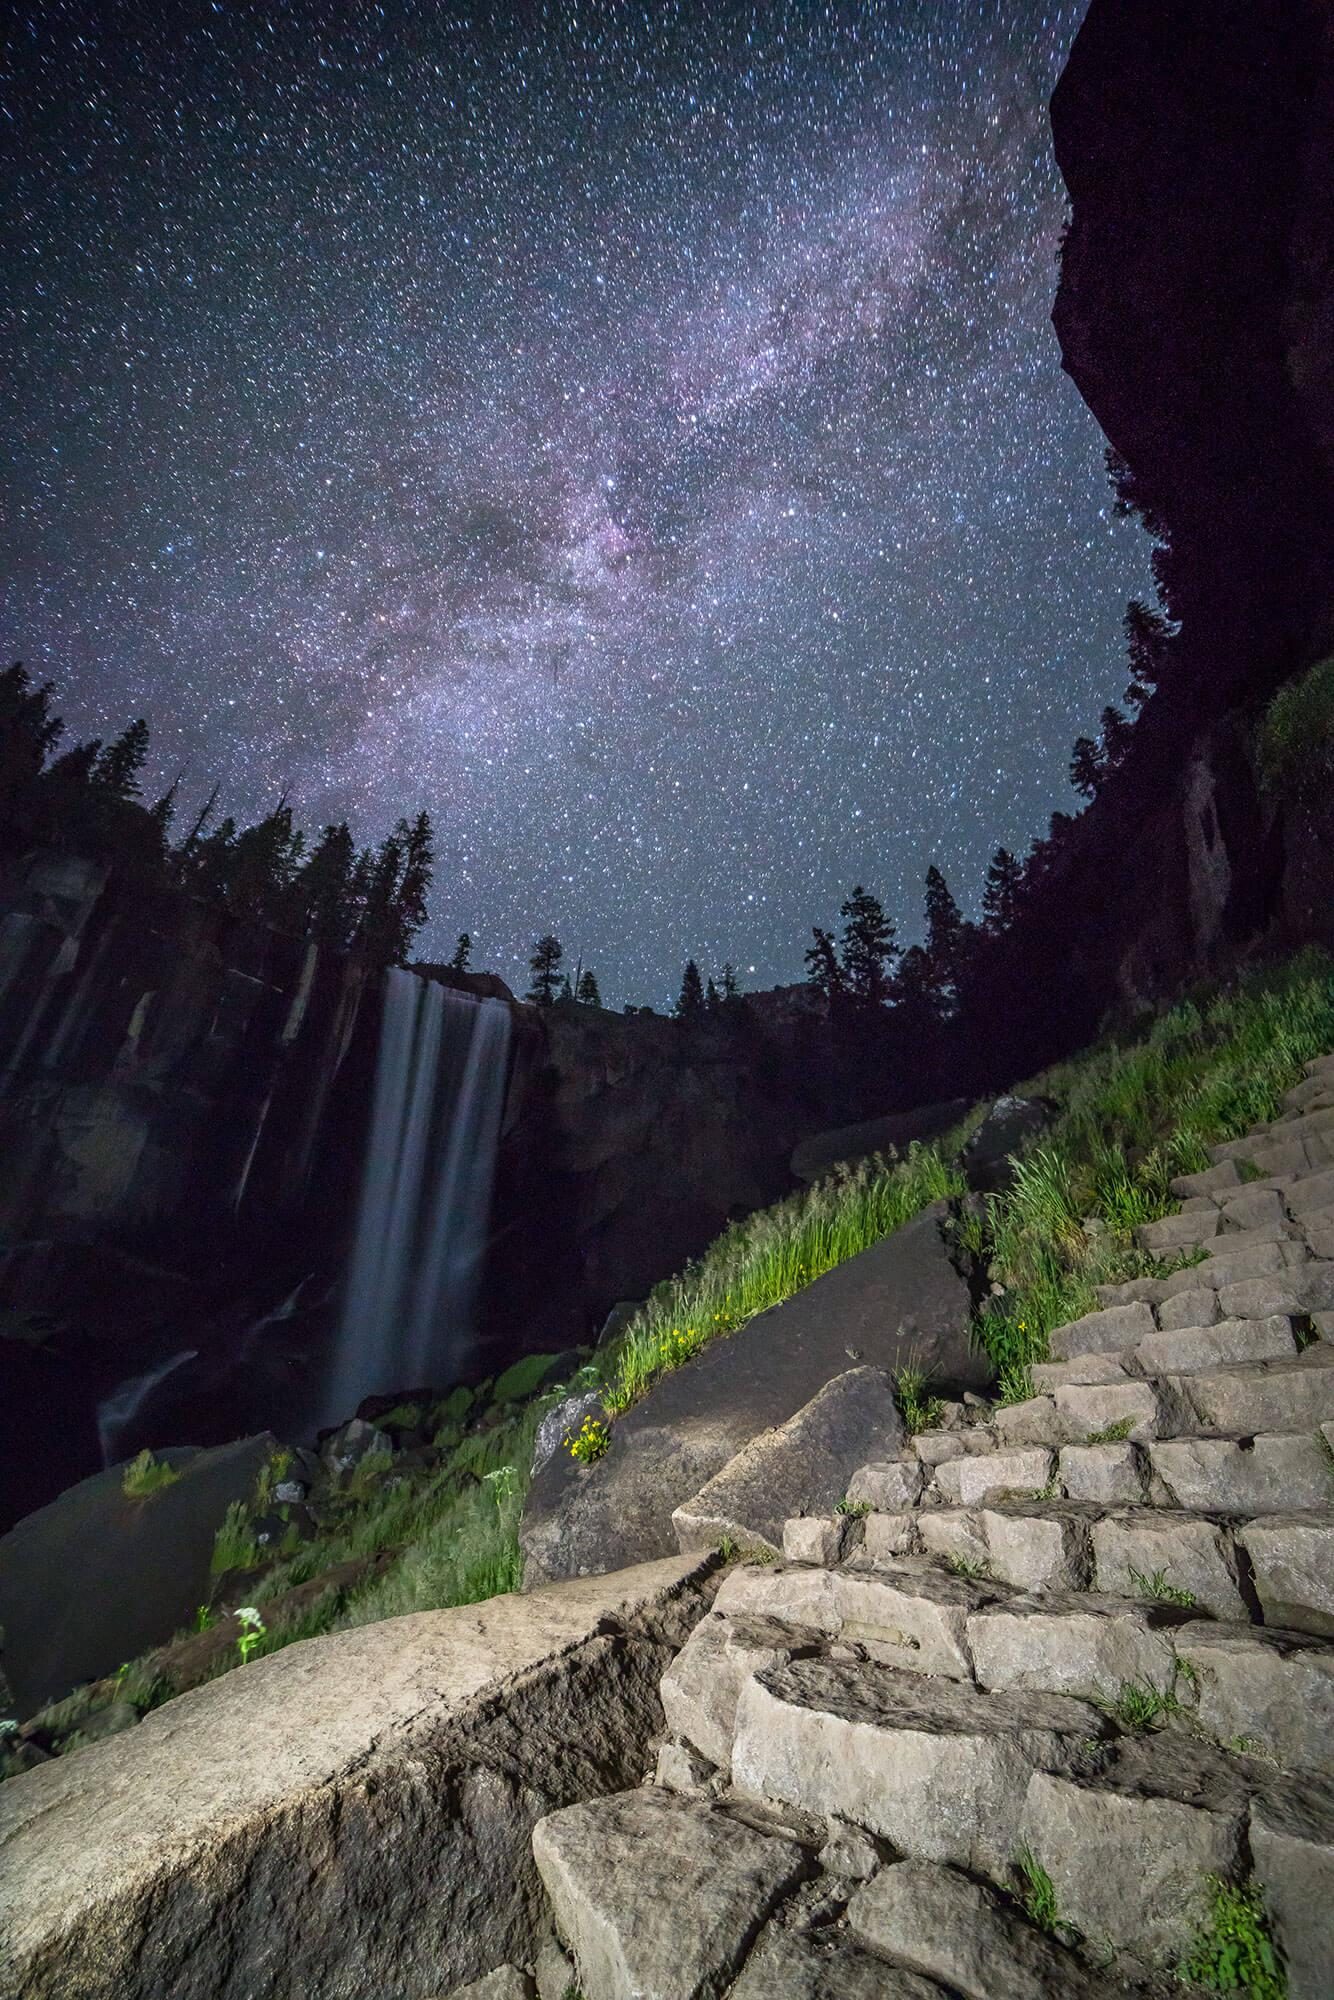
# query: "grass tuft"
1156,1585
146,1475
1037,1896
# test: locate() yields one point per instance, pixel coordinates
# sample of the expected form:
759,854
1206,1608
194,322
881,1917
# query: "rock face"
98,1577
815,1156
351,1815
200,1089
900,1301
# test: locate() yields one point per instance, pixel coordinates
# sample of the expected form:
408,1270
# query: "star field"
634,434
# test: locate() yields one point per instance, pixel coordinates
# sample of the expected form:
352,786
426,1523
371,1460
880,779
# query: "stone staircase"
990,1730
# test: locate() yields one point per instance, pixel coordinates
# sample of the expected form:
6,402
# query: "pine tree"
325,887
690,1000
118,768
1086,767
418,846
868,948
731,984
160,816
947,941
462,958
28,731
1000,898
822,966
713,999
545,968
586,992
75,766
1117,732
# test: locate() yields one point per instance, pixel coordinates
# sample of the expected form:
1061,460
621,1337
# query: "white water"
425,1194
116,1411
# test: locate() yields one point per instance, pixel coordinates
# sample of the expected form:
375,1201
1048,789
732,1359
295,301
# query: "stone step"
1275,1687
762,1893
938,1769
1130,1829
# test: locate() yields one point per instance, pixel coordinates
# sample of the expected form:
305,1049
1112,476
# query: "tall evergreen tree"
587,991
1000,898
731,984
868,948
118,768
1117,733
462,957
326,886
822,966
28,731
690,1001
1086,767
545,968
713,999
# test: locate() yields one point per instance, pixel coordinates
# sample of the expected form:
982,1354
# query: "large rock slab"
813,1158
801,1467
900,1301
351,1815
659,1897
131,1572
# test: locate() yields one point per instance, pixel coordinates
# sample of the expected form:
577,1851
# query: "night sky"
633,433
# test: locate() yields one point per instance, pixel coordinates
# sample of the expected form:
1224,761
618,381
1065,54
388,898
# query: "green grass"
1037,1896
235,1546
1234,1952
1296,736
919,1411
1155,1584
1134,1114
970,1566
1139,1706
770,1256
1116,1433
146,1475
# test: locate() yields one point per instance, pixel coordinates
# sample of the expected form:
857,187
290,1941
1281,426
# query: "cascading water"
116,1412
426,1192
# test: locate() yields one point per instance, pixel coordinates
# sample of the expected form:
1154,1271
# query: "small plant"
590,1442
1234,1952
205,1617
1037,1896
970,1566
145,1475
1156,1585
1248,1171
1014,1383
919,1411
234,1545
1138,1706
252,1631
271,1475
1116,1433
1051,1491
504,1483
855,1510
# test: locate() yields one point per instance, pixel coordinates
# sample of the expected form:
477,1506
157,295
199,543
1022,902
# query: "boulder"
820,1963
659,1895
132,1571
355,1810
1008,1125
902,1301
804,1465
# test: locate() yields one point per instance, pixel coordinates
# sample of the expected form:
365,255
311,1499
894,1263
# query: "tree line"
89,798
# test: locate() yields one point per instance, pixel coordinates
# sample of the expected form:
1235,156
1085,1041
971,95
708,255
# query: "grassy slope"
1134,1112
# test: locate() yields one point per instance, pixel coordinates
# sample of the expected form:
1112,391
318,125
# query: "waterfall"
425,1194
118,1410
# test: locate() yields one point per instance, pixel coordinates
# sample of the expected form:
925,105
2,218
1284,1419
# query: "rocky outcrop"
996,1730
99,1576
902,1302
349,1816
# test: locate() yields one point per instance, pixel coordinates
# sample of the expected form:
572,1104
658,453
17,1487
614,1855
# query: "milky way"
634,434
